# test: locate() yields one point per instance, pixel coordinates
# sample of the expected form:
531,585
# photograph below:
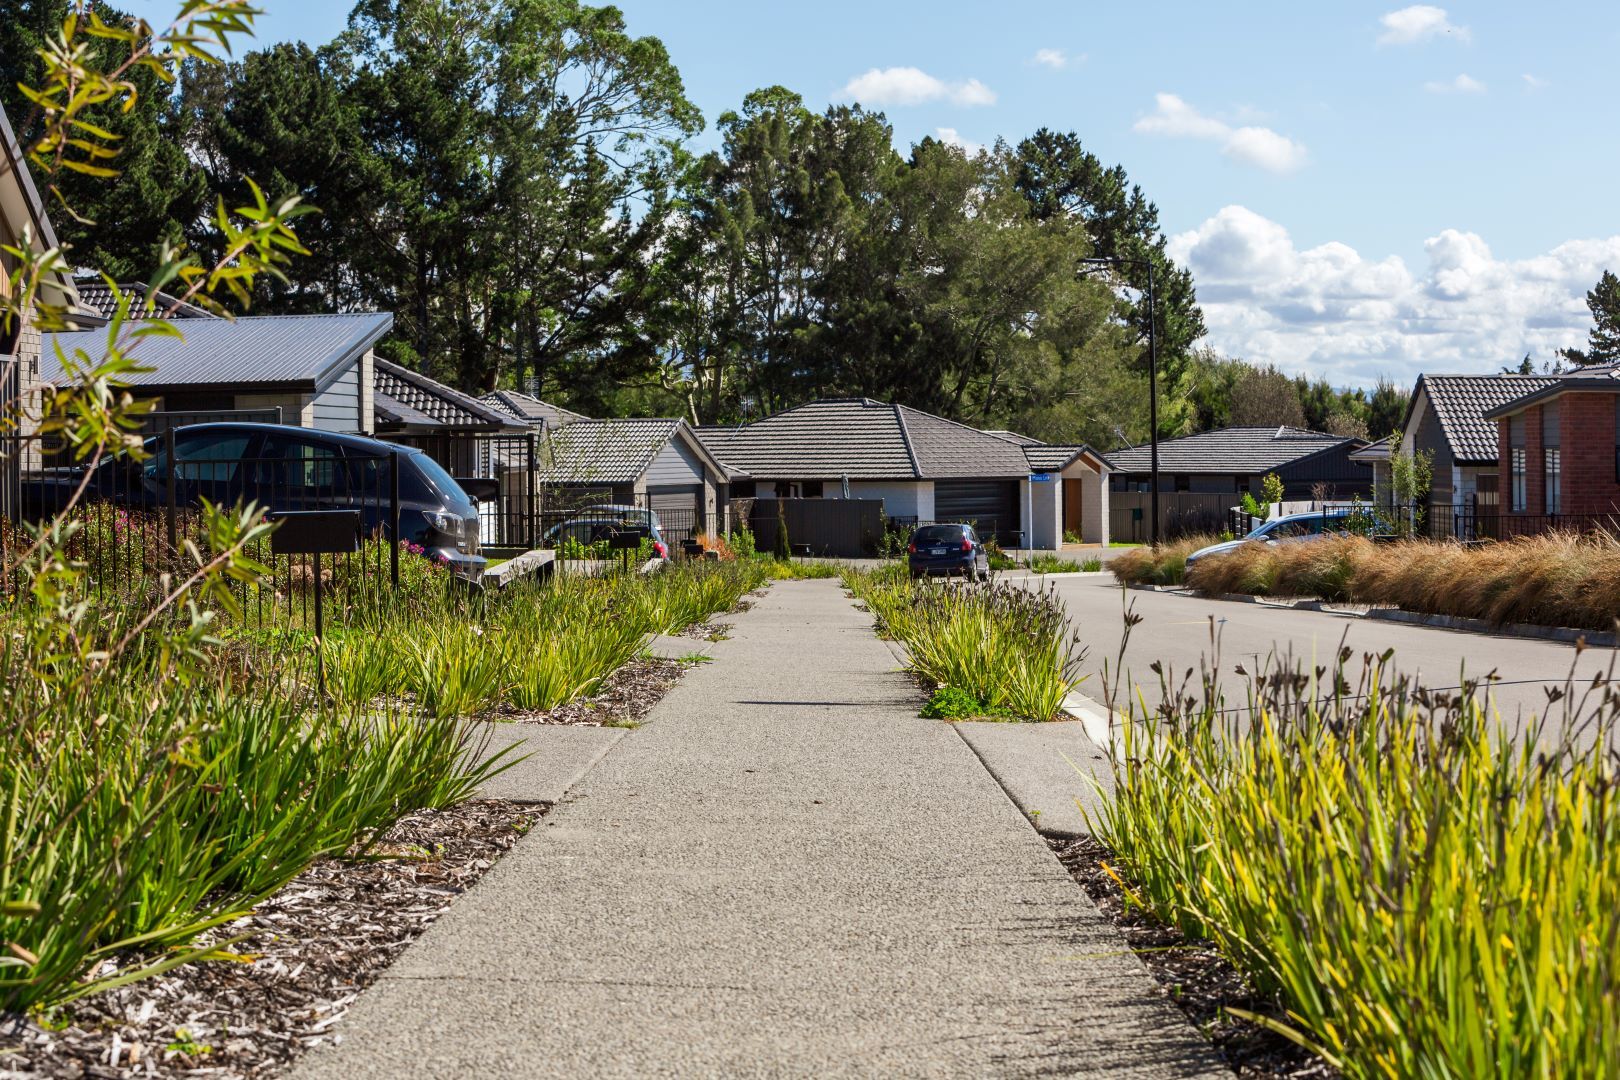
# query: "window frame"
1518,479
1552,480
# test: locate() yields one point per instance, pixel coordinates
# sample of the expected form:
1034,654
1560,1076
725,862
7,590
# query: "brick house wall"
1587,437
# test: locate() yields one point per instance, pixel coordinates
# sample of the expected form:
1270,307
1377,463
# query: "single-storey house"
661,464
1234,460
1558,445
318,371
1447,418
923,467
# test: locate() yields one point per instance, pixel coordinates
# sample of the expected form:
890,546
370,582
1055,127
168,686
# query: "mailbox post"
627,540
317,533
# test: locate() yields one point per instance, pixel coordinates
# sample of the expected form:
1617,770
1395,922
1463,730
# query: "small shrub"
952,703
783,549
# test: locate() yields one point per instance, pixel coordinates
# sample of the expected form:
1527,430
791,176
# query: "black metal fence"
139,527
502,469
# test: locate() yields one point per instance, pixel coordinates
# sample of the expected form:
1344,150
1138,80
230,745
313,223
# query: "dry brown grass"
1552,580
1166,565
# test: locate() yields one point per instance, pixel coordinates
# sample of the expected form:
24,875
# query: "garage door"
991,505
679,508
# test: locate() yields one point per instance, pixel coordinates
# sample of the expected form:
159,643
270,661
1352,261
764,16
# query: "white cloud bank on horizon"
1327,311
1411,25
914,86
1257,146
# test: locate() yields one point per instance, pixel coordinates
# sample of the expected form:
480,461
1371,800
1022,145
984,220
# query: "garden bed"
308,952
622,700
1194,974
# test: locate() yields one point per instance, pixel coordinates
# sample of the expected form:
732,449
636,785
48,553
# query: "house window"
812,489
1554,480
1183,482
1517,470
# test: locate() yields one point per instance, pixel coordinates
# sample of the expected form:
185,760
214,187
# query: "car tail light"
661,550
966,545
912,547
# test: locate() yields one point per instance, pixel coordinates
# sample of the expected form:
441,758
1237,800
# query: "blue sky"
1361,189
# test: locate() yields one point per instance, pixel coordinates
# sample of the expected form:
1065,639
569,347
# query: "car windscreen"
443,481
938,534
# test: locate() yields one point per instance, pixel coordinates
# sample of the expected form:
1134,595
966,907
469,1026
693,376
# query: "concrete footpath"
784,872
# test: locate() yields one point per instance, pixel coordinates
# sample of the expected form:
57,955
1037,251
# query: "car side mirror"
480,489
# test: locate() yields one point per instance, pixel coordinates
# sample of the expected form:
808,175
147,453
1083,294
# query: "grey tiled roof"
863,440
1603,380
253,351
1460,403
530,409
409,397
1044,458
97,296
1013,436
1228,450
604,451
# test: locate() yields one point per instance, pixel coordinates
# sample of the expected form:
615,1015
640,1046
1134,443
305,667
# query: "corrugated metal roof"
440,405
530,409
604,451
253,351
1460,403
1228,450
863,440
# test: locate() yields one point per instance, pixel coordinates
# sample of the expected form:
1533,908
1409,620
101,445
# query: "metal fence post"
168,485
393,518
531,492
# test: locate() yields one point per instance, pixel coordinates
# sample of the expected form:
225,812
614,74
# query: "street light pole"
1153,383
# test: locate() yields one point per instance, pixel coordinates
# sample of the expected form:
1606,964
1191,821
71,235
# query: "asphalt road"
1176,631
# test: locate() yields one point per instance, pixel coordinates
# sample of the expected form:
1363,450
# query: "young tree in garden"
117,224
59,641
1603,341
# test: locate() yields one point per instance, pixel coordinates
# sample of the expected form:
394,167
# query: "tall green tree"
1060,178
1603,341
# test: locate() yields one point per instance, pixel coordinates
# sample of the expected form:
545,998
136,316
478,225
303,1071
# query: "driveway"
1176,629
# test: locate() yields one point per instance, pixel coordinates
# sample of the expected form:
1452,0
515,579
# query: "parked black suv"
285,468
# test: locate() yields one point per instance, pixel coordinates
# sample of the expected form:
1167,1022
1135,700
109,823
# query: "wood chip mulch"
622,700
1195,976
314,946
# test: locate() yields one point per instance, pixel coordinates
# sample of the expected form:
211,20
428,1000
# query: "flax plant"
1425,891
1008,647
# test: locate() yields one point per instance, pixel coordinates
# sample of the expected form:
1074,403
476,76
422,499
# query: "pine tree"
1603,342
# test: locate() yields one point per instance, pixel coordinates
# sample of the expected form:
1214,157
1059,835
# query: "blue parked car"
947,549
1292,529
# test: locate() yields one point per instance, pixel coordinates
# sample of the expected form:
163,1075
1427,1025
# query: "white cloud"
1052,58
1410,25
1462,84
1258,146
913,86
1330,311
950,137
1531,82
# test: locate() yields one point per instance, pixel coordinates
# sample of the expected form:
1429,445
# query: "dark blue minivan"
947,549
285,468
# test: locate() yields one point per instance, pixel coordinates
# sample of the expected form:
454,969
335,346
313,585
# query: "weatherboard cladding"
1460,403
604,451
1228,450
863,440
307,351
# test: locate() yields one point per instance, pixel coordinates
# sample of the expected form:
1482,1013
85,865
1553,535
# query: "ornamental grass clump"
1007,647
1164,565
1424,891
